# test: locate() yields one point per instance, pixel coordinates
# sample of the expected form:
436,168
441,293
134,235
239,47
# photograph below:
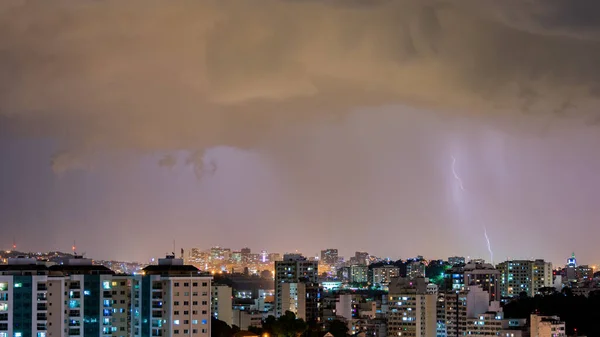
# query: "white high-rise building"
412,308
470,312
221,300
343,306
303,274
172,299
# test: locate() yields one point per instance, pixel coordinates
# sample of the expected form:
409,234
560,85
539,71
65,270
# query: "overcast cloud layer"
155,75
353,108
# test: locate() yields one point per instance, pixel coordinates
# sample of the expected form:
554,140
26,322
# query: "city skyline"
347,258
446,127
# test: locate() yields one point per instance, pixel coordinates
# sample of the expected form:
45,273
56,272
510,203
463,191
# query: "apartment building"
412,308
295,269
221,303
524,276
174,300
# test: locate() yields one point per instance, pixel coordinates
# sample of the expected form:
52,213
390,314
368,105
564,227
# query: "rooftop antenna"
14,245
74,248
173,248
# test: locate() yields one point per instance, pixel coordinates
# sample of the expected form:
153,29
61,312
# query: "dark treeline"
288,325
579,313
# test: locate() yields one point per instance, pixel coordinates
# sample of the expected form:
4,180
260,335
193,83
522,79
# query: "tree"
268,324
567,291
338,328
235,329
220,328
289,326
255,330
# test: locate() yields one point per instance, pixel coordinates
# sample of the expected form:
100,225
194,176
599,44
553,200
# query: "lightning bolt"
460,183
462,188
488,245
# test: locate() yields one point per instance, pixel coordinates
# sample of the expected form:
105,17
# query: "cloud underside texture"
188,75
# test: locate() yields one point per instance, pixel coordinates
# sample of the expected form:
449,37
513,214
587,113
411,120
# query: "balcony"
41,317
42,307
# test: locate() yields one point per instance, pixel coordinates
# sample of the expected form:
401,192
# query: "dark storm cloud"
577,19
165,76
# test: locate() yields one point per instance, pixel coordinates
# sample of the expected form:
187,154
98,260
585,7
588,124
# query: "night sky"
284,125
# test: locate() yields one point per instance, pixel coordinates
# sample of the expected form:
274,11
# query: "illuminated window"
3,306
176,322
106,285
3,287
18,285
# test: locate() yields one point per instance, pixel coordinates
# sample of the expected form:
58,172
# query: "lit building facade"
329,256
524,276
383,275
296,269
415,269
75,298
459,277
174,299
412,308
456,260
359,273
221,303
23,299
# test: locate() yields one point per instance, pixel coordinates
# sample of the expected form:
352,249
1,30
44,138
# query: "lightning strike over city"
462,188
192,143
